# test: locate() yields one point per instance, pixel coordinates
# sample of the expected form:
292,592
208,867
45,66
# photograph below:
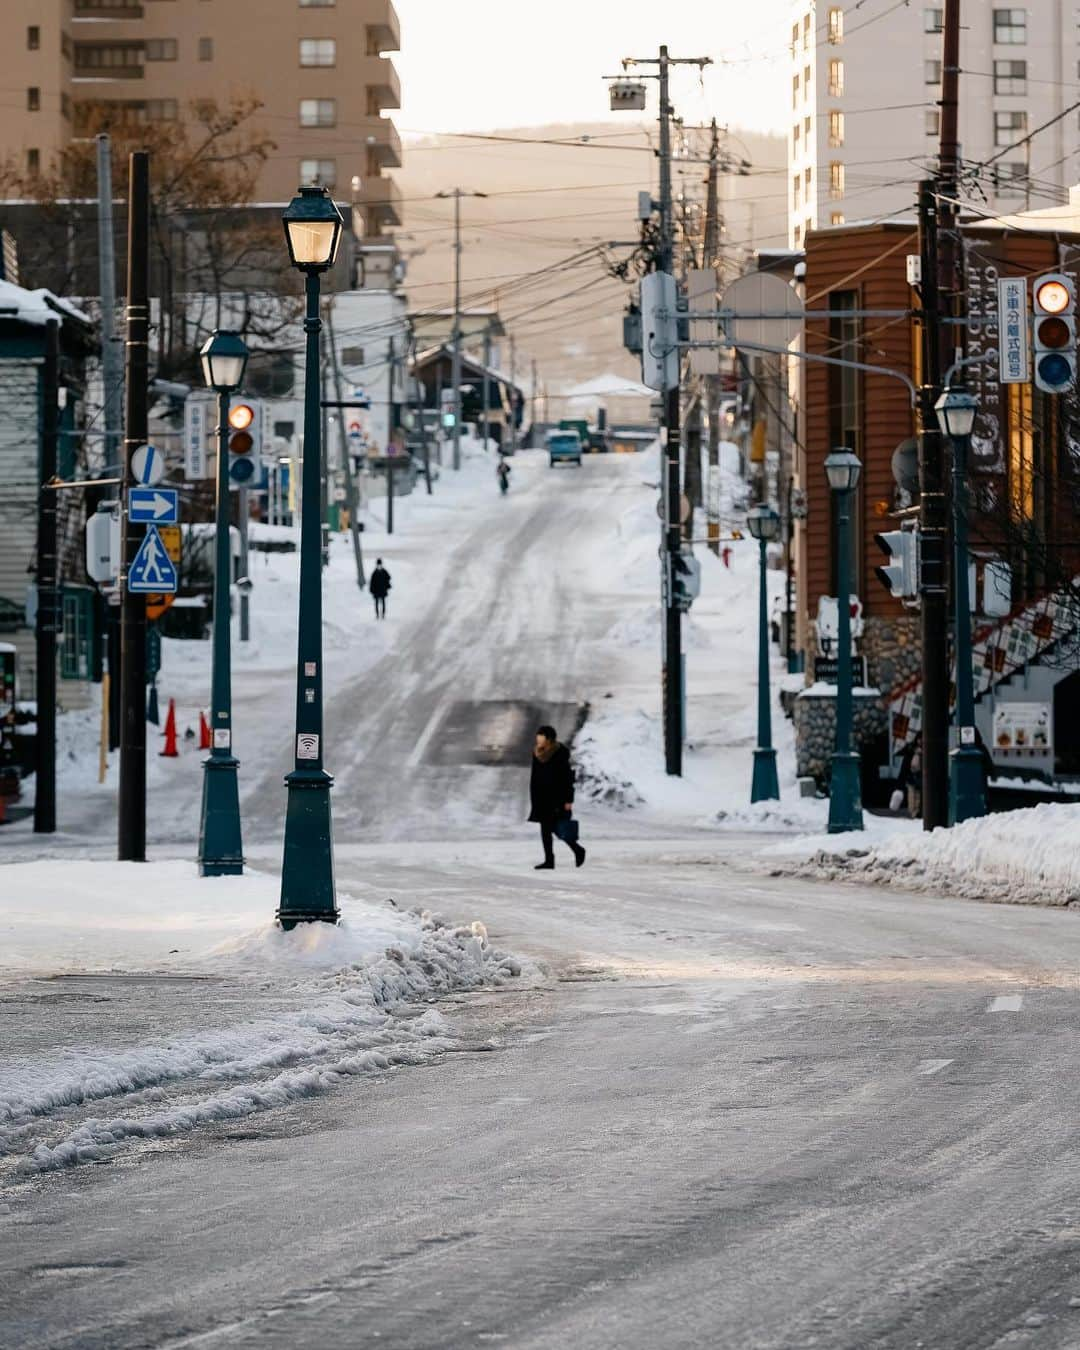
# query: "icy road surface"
747,1112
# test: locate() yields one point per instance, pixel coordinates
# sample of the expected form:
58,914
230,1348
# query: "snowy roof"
609,386
36,307
1062,219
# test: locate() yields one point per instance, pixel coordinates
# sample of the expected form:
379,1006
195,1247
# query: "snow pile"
1023,857
330,1002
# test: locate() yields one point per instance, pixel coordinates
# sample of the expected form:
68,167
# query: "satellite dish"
905,466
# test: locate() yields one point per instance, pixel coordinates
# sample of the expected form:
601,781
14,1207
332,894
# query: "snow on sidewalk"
1030,857
316,1006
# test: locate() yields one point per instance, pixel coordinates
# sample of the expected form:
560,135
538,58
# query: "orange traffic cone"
204,731
170,750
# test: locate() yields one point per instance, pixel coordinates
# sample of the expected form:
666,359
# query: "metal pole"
487,382
49,619
789,580
967,777
112,364
766,786
845,794
132,788
672,672
221,851
243,513
307,873
389,494
346,457
512,429
456,370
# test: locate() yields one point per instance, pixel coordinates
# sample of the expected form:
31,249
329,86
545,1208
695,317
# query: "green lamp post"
224,359
312,230
956,410
764,526
842,469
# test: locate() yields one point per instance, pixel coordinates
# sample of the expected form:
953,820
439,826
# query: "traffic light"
686,580
1055,333
245,443
899,576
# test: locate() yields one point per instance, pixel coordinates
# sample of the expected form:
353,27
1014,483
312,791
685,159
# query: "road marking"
929,1066
1007,1003
425,736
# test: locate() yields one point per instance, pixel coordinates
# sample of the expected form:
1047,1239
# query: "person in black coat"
551,795
379,586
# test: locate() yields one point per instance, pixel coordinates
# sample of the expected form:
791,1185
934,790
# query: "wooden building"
1024,476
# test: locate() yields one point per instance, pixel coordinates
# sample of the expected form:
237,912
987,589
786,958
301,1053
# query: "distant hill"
547,203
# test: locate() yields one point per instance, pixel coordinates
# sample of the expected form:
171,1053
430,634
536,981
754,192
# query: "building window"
33,38
836,179
125,56
806,81
1010,26
794,38
933,20
932,120
1008,126
836,79
33,99
318,112
318,172
796,137
317,4
1010,77
206,49
318,52
352,356
67,47
931,72
796,190
836,218
806,132
1010,178
798,236
808,226
795,91
162,49
806,32
808,178
161,110
33,161
65,106
836,128
836,25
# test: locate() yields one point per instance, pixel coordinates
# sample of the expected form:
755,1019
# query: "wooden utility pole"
132,793
710,257
49,619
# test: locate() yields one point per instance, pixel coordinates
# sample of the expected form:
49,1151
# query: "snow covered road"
746,1112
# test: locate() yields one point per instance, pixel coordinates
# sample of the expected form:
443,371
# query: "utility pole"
112,366
487,382
512,429
940,258
48,618
132,792
532,407
711,258
346,458
457,194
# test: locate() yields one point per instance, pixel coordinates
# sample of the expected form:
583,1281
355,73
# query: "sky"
504,63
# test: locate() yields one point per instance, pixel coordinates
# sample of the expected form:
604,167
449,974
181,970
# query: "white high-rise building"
865,89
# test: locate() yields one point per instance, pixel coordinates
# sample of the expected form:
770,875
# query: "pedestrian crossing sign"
153,571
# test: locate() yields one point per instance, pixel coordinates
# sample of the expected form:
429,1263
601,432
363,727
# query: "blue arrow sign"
153,506
152,572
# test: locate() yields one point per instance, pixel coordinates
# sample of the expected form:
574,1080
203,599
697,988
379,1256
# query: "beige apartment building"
318,67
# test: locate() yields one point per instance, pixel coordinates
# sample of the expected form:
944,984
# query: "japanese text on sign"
1014,353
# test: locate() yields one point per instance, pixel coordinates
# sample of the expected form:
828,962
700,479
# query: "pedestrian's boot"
548,865
579,855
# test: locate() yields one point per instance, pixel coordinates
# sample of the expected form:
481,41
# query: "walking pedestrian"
502,473
551,794
379,586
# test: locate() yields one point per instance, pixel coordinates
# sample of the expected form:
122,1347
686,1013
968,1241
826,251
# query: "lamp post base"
221,851
967,784
307,871
766,785
845,794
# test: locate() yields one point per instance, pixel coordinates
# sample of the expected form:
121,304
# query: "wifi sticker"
307,746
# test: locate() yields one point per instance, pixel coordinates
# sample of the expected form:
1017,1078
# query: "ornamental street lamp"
956,410
224,360
764,526
312,231
842,469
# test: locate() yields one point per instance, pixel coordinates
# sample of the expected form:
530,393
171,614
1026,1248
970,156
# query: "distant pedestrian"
502,473
551,795
379,586
908,791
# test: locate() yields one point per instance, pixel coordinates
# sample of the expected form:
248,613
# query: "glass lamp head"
224,358
763,523
312,229
842,469
956,410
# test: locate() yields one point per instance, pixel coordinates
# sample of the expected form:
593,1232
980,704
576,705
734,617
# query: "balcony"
384,34
381,201
381,80
108,9
383,142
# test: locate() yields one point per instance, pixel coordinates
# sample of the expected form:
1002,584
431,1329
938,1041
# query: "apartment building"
319,68
865,116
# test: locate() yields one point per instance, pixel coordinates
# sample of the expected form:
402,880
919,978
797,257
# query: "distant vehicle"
564,447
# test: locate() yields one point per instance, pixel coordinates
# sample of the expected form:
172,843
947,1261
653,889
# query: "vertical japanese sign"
1014,348
195,417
